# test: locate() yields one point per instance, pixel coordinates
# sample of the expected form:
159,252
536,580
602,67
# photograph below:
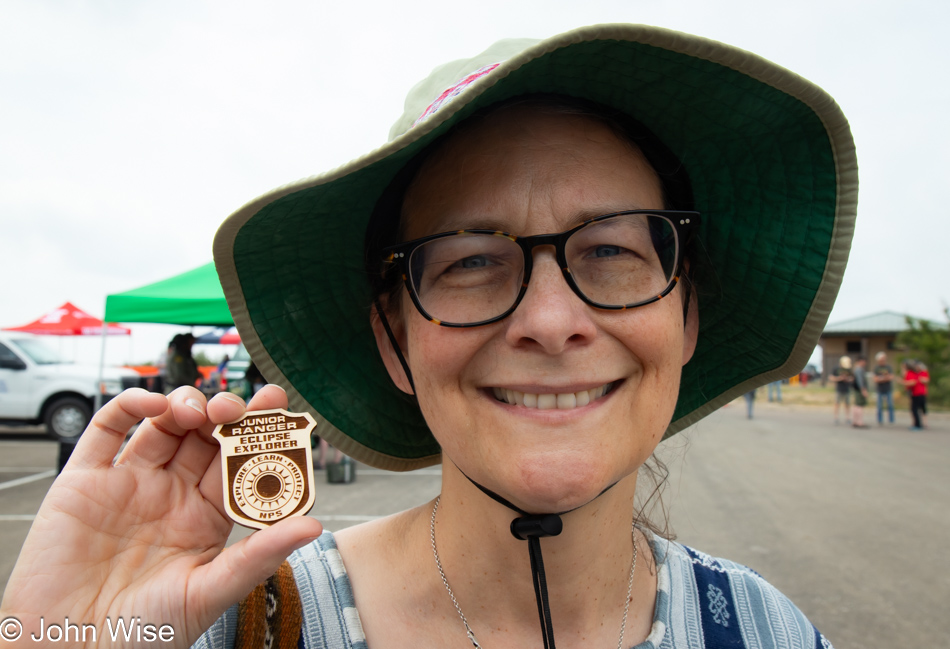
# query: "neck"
587,565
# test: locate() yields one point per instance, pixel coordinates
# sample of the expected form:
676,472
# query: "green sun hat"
774,175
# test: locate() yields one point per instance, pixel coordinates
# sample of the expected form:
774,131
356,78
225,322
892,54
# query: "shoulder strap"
271,615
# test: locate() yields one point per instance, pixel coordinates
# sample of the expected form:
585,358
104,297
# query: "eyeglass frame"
684,224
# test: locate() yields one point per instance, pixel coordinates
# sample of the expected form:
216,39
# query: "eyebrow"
456,223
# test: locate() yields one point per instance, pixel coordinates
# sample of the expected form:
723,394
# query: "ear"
691,327
384,344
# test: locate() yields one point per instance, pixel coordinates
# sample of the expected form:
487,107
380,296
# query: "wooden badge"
266,463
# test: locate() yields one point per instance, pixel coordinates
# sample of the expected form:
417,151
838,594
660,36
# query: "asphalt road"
853,525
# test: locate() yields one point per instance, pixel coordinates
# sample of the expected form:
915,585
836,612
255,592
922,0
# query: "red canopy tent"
70,320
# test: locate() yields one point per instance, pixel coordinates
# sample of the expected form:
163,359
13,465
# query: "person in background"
322,457
923,385
218,375
843,377
775,386
749,403
884,384
180,366
254,380
860,392
913,387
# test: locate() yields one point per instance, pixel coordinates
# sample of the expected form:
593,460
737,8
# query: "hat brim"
773,169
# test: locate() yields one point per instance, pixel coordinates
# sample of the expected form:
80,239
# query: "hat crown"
448,81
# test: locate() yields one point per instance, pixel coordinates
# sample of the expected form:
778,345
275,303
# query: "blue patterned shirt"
702,603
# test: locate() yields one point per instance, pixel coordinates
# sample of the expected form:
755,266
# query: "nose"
550,316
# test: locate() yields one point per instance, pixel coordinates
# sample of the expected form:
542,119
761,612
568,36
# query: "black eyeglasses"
616,261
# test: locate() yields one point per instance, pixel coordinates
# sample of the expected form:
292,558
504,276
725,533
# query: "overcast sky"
130,130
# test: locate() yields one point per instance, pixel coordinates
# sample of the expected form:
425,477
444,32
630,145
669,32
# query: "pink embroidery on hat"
454,91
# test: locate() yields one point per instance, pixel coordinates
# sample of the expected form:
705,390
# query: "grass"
814,394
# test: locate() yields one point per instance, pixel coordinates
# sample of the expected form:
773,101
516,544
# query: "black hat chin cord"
532,528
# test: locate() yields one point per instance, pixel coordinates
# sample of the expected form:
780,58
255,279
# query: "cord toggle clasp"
537,525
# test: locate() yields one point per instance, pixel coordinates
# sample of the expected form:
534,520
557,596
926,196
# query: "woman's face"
528,172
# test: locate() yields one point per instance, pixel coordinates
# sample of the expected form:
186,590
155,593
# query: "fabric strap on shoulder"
271,615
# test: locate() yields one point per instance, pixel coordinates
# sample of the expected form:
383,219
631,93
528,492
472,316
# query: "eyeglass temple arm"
392,340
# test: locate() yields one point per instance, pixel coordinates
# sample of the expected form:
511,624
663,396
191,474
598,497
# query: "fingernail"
231,397
278,387
194,404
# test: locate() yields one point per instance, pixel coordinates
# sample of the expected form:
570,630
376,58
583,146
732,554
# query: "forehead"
528,170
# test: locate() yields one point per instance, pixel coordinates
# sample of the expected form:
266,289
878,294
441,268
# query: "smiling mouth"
550,401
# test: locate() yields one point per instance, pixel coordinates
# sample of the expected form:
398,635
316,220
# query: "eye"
606,251
477,261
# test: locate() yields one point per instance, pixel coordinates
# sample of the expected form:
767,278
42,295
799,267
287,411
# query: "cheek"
655,336
657,344
443,364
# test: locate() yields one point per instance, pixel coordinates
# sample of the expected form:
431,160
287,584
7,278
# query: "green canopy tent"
192,298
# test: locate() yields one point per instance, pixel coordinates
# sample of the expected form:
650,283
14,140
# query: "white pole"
102,364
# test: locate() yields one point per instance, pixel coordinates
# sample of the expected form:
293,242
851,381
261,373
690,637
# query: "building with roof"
864,336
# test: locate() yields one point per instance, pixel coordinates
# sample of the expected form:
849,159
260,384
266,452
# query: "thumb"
236,571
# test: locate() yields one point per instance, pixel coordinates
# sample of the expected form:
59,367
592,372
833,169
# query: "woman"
559,260
916,378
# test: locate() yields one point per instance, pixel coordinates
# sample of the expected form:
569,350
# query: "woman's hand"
140,539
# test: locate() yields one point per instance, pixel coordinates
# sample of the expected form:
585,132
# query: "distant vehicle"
236,367
811,372
37,387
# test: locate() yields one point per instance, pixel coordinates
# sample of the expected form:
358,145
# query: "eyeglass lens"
468,278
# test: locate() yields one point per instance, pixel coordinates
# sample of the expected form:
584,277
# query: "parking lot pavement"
851,524
27,469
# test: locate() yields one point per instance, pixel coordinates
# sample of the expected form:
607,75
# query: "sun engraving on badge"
266,466
268,484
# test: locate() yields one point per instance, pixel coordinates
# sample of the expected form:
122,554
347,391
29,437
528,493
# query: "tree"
930,343
201,359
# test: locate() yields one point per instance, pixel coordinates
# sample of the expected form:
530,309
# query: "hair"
386,226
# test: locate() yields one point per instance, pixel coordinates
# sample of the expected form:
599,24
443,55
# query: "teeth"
550,401
565,401
547,401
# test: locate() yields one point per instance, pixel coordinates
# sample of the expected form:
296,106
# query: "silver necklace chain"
468,629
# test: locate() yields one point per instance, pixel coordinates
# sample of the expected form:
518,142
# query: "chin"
561,483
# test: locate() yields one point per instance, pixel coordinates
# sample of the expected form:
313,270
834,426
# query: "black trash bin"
66,447
342,472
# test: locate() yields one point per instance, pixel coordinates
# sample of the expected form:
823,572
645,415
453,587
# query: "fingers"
210,484
197,453
247,563
270,396
180,439
102,439
158,439
195,456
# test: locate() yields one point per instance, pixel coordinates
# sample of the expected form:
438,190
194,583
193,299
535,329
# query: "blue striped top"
702,603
